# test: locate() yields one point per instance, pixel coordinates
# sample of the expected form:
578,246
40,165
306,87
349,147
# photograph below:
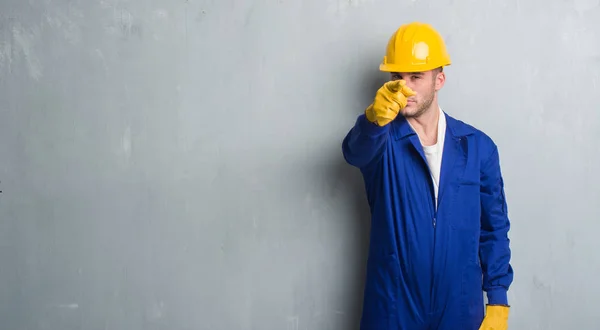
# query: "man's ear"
440,79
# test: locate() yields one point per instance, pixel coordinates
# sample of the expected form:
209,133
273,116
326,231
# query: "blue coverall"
427,268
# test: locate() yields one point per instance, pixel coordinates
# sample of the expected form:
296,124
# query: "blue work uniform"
428,266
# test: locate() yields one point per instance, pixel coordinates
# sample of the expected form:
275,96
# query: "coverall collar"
402,128
455,131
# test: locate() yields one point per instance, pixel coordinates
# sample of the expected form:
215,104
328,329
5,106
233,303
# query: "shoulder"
485,144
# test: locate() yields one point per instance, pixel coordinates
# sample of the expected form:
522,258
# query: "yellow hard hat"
415,47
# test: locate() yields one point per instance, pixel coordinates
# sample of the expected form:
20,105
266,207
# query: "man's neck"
426,125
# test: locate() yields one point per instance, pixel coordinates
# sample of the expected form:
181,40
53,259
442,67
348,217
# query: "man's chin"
408,111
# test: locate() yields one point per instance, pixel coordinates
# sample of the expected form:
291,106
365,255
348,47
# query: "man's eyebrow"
409,73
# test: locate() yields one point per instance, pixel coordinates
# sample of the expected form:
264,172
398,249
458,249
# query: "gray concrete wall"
177,164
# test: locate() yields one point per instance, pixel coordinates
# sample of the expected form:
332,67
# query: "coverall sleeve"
365,142
494,250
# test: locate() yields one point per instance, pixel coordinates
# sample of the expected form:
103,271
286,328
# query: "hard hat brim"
386,67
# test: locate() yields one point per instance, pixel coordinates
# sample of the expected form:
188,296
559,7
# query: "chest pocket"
466,206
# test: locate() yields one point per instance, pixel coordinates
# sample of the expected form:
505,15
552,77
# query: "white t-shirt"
433,154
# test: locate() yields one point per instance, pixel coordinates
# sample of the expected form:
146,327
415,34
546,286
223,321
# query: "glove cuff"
497,311
370,128
369,114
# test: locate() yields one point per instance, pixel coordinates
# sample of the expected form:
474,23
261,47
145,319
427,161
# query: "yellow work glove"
389,100
496,318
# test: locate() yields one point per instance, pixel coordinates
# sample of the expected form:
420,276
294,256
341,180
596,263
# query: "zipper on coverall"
434,212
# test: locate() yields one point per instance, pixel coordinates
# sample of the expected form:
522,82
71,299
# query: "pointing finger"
407,91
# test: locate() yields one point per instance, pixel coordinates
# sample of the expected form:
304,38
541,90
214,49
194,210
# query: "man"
439,224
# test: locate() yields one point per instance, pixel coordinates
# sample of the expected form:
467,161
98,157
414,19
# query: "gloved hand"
496,318
389,100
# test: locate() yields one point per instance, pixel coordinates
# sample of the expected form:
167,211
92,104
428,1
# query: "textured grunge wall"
177,164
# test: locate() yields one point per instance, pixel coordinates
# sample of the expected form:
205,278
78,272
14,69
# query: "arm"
494,242
365,142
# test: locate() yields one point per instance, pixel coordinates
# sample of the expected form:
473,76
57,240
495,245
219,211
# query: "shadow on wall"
352,180
353,195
